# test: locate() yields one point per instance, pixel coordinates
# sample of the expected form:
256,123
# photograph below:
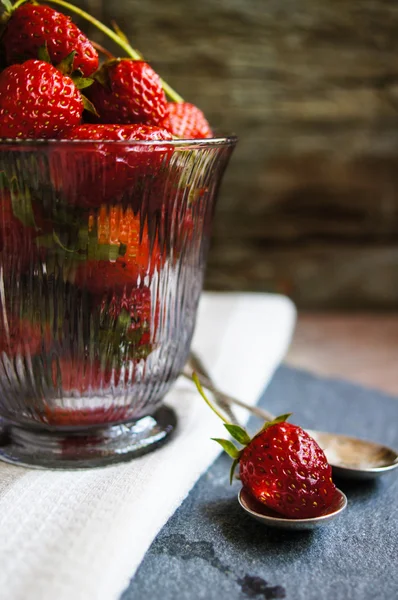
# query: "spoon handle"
195,364
208,385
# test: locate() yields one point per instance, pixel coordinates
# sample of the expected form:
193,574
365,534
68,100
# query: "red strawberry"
37,101
284,468
118,133
18,250
128,91
125,322
114,168
33,25
73,379
187,121
70,417
78,376
126,245
20,336
281,466
13,234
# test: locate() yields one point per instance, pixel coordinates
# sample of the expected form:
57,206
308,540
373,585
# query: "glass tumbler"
102,255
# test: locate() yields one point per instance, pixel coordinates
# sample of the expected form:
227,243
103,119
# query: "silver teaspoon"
349,457
268,517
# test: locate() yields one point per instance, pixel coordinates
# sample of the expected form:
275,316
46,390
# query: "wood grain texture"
310,202
361,348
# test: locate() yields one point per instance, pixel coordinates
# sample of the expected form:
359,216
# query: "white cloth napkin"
82,534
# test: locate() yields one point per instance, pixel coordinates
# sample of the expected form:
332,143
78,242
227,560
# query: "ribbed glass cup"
102,255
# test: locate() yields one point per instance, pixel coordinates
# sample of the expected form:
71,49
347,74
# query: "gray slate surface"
210,549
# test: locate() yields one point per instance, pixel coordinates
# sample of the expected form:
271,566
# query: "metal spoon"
349,457
268,517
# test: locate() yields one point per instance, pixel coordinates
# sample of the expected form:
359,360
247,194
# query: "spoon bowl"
354,458
268,517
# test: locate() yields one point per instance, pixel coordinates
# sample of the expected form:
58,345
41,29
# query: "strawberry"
20,336
187,121
18,248
128,91
282,467
125,321
115,168
118,133
78,376
119,252
14,238
73,379
33,25
124,336
37,101
71,417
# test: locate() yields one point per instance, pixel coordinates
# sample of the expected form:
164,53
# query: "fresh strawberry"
20,336
282,467
37,101
34,25
74,379
128,91
12,232
187,121
118,133
18,247
119,252
114,169
125,322
78,376
71,417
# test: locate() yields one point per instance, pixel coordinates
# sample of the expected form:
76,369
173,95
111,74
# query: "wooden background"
309,205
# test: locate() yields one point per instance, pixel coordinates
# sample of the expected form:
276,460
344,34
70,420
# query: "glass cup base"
97,447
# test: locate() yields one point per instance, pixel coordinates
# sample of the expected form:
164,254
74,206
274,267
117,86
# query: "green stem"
205,398
14,6
113,36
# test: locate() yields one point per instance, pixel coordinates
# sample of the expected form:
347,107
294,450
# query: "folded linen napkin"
82,534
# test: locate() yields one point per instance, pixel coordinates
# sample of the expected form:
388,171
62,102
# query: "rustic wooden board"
310,203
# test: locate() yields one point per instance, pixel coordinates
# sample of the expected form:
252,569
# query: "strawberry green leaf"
7,5
228,447
280,419
81,82
89,106
102,75
60,244
97,251
238,433
4,183
66,64
21,204
232,471
42,54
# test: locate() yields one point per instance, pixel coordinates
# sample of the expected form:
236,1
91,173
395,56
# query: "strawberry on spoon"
281,466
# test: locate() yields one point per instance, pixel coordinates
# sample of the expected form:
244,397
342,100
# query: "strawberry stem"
205,398
120,41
